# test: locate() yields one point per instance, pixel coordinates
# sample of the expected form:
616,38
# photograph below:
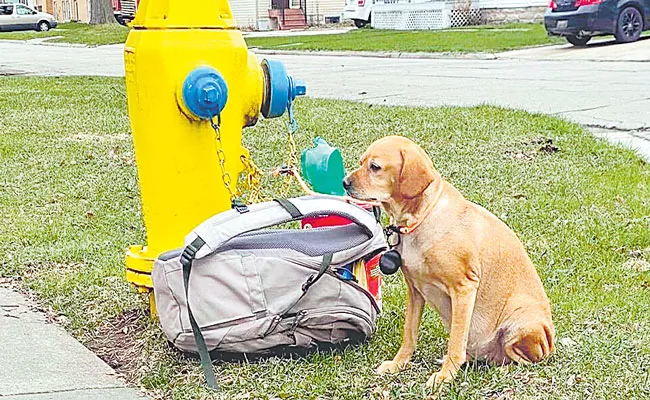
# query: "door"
26,17
279,4
7,18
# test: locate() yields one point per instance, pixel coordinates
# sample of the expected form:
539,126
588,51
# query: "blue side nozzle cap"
205,92
281,89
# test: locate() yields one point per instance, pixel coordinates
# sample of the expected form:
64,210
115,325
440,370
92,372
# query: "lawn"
465,40
69,205
73,32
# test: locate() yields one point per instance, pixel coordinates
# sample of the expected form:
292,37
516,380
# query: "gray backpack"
256,290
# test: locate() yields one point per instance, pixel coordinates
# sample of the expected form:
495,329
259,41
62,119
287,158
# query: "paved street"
602,86
609,94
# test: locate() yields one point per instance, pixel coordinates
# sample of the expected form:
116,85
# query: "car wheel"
359,23
579,41
629,26
43,26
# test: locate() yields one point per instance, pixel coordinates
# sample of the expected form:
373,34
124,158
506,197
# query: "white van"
17,17
359,11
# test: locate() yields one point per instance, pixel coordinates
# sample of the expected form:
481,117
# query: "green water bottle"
322,167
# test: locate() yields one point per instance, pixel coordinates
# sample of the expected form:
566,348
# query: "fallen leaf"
636,253
567,342
571,381
637,264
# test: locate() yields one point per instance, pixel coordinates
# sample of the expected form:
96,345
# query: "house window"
67,12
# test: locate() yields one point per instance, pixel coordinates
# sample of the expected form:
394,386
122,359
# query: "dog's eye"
374,167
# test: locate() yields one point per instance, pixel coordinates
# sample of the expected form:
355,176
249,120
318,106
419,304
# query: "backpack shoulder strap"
224,226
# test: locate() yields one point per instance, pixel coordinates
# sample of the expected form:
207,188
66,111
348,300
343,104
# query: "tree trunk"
101,12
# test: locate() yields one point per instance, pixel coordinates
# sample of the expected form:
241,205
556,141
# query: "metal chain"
292,157
225,176
253,173
253,180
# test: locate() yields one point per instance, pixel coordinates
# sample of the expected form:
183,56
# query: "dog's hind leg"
530,344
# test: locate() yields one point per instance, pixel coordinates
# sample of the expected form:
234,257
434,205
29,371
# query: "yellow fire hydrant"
192,85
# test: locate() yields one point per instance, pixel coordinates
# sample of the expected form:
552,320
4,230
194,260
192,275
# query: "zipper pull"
272,326
296,320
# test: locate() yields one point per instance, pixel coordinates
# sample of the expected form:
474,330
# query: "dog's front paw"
440,377
388,367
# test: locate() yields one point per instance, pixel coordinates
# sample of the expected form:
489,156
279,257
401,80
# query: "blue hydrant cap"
281,89
205,92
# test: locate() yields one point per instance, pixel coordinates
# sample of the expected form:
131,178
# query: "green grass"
73,32
69,205
466,40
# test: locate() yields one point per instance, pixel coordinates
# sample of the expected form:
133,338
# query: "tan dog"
459,258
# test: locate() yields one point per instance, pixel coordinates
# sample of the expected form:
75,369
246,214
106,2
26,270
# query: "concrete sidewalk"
41,361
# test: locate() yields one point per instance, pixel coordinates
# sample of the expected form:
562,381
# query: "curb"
381,54
43,42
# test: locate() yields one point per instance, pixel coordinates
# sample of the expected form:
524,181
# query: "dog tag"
389,262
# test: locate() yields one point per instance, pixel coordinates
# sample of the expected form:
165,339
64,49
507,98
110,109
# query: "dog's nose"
346,183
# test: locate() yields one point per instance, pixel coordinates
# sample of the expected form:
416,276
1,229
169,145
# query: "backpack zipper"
358,288
347,310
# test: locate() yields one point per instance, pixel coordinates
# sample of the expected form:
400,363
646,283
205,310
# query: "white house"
285,14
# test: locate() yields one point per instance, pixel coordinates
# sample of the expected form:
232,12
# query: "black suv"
580,20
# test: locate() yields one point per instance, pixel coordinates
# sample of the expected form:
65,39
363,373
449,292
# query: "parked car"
359,11
124,10
18,17
580,20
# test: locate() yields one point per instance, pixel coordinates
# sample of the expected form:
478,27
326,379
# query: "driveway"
601,87
603,50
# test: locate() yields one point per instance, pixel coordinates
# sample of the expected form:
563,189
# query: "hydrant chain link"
225,175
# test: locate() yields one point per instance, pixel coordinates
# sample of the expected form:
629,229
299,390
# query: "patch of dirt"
539,145
544,145
119,343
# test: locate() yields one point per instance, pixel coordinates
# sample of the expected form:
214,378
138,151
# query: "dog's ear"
417,172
